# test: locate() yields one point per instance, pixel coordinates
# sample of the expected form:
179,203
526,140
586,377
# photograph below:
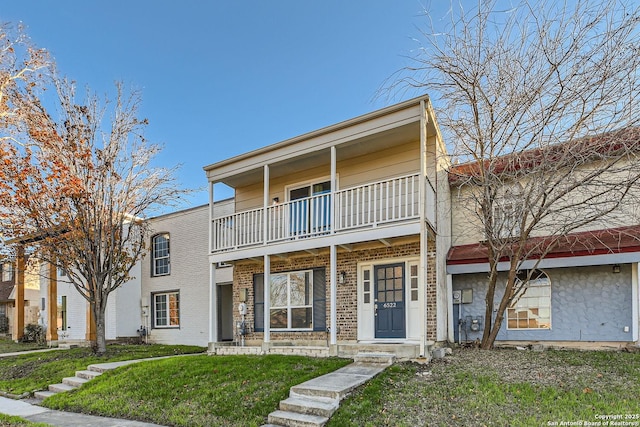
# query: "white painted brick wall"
189,247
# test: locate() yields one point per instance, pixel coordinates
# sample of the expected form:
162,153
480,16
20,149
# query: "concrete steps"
71,383
313,402
310,406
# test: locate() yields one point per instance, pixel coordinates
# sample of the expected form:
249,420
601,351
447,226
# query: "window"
62,313
506,219
160,265
291,300
297,300
166,310
531,308
7,272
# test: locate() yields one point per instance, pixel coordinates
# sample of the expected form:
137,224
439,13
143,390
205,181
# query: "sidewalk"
39,414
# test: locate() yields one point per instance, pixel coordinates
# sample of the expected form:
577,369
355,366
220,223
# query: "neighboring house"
175,279
68,312
583,293
338,239
6,304
8,313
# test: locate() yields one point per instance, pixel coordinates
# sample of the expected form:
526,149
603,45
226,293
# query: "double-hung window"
160,262
291,297
506,219
297,300
166,310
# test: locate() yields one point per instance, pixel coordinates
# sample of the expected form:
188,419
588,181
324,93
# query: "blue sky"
219,78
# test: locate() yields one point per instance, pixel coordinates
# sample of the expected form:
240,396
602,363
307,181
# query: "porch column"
267,264
333,338
423,226
211,216
213,300
267,302
52,304
18,325
91,335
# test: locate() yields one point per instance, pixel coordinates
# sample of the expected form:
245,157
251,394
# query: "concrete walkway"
20,353
39,414
34,413
312,403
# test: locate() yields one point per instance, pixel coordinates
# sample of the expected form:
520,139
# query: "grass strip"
35,371
11,421
196,391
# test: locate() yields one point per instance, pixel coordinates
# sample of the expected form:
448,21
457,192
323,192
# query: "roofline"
322,131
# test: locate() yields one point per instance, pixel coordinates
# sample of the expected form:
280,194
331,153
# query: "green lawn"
7,345
499,388
31,372
196,391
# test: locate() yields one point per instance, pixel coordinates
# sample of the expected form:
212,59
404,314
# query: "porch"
349,350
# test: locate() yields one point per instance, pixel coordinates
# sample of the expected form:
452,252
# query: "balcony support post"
332,197
265,202
213,318
334,294
267,302
211,216
423,226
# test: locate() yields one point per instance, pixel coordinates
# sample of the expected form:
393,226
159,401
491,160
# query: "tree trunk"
99,316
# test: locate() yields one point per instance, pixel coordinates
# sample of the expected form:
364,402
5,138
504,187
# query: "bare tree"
79,187
539,102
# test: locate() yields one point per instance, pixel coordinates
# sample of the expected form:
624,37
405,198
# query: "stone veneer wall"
346,293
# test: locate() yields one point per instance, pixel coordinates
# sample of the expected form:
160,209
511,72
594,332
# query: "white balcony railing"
364,206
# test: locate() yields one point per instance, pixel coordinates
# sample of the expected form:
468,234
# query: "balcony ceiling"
349,149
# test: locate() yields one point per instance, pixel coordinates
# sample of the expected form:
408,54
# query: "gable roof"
5,291
608,144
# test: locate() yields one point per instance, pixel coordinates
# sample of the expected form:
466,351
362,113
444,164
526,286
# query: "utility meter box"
467,296
457,297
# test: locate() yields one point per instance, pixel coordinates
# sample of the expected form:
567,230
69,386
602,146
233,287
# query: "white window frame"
535,295
155,257
7,272
506,218
289,306
166,308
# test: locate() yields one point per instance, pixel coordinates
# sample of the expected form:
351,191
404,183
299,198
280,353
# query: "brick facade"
346,293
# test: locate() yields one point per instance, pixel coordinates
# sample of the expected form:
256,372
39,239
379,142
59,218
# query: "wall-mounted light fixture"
616,268
276,200
342,277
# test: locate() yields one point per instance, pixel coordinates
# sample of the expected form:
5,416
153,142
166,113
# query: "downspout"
635,301
212,274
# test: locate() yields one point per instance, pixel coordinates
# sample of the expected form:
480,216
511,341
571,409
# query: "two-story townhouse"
583,293
175,280
338,238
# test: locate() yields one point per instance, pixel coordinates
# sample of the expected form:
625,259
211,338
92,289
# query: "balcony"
364,207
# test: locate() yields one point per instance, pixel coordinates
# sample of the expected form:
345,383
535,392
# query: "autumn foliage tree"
538,101
78,186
